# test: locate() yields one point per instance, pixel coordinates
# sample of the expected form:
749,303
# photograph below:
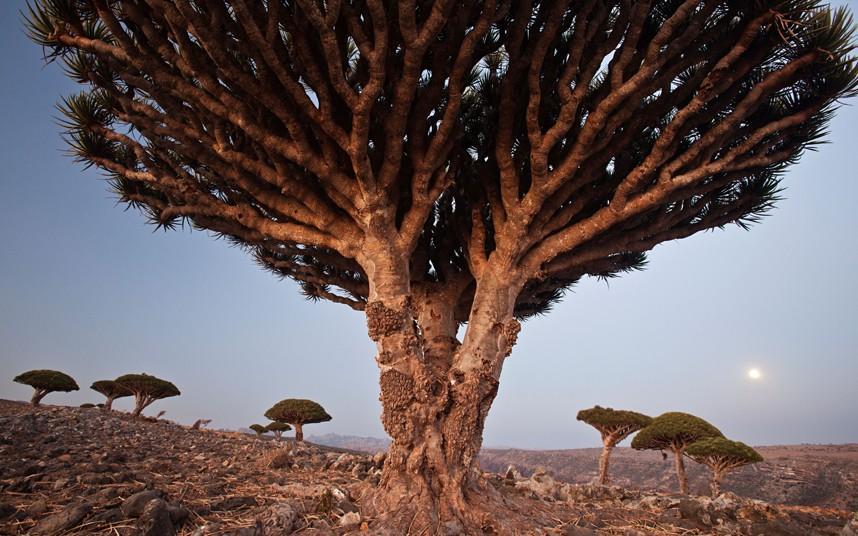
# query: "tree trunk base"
402,507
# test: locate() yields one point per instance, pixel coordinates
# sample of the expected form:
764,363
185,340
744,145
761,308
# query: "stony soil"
90,471
805,475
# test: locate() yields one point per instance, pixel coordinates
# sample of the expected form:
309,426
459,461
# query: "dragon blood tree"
674,431
146,389
434,163
46,381
111,390
297,412
277,428
721,456
259,429
614,426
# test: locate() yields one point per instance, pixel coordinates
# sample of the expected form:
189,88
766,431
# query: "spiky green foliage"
47,380
297,411
276,125
258,428
278,427
723,450
607,418
673,430
110,389
147,385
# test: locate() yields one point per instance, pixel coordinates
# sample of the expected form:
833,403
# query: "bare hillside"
811,475
74,471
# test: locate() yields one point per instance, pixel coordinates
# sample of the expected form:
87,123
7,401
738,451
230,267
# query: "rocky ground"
89,471
807,475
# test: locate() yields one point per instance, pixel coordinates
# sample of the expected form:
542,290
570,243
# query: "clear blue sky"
92,290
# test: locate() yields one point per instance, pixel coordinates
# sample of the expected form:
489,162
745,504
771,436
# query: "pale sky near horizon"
91,290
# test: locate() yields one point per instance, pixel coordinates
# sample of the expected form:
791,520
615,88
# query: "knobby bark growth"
434,163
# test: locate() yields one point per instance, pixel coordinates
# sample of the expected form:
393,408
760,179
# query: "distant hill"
815,475
812,475
363,444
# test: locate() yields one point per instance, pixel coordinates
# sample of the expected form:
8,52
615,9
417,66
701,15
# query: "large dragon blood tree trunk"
436,392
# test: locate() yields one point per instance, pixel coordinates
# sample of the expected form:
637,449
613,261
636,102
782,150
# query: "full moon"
755,374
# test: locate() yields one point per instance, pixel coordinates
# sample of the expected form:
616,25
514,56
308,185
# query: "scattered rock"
69,517
350,519
279,518
155,519
7,510
234,503
133,506
111,515
575,530
221,487
38,508
851,528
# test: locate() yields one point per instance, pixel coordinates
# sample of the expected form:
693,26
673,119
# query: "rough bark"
436,393
717,475
604,461
108,404
140,403
38,395
679,463
299,431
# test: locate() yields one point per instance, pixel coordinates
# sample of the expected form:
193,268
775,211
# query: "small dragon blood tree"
46,381
146,389
674,431
259,429
614,425
111,390
721,456
278,427
298,412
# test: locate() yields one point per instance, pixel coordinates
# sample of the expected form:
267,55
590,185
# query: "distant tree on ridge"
674,431
614,426
277,428
46,381
111,390
146,389
259,429
298,412
721,456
